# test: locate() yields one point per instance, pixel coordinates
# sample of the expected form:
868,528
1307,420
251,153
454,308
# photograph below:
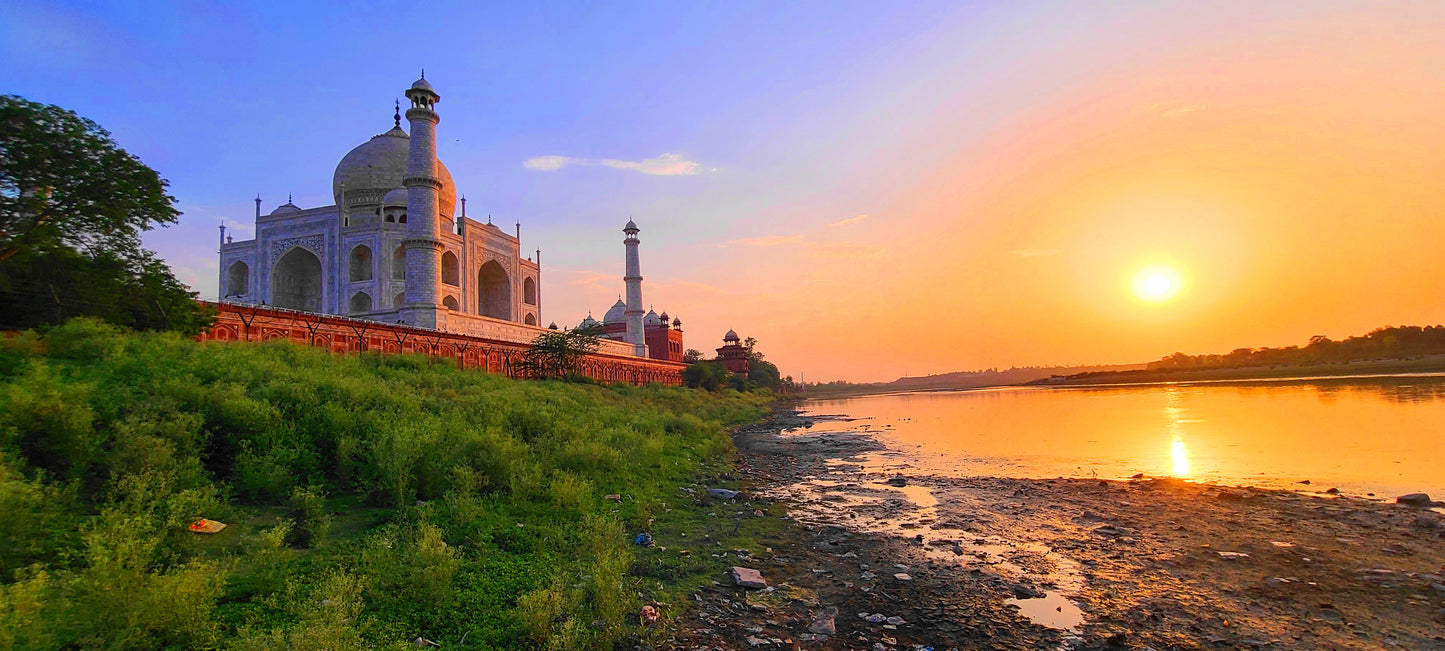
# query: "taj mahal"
393,249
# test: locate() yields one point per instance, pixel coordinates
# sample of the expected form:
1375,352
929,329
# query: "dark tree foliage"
72,207
1381,343
559,353
705,375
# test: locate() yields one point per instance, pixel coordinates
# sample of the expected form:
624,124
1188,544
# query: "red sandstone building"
732,355
663,339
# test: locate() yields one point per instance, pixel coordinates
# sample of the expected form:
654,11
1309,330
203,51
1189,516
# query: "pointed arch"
359,263
296,281
452,304
398,263
360,302
451,274
494,292
529,291
238,279
399,301
530,320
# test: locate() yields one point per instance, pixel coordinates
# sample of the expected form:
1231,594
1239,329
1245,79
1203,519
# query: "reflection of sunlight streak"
1181,458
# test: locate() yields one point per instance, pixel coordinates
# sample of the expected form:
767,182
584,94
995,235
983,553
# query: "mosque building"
392,248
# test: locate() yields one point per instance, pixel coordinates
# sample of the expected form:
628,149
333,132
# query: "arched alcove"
399,301
238,279
530,320
529,291
398,263
296,281
494,292
360,263
451,303
360,302
451,275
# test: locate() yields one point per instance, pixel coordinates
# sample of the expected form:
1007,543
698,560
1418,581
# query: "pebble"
1415,499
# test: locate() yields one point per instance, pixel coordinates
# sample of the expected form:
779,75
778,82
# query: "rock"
1304,481
957,550
1230,495
1415,499
754,641
901,576
1333,491
421,641
876,618
723,493
748,578
1229,556
1024,591
1109,530
898,480
823,624
1137,476
1426,521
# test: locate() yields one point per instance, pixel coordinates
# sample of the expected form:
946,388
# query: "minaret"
634,292
423,245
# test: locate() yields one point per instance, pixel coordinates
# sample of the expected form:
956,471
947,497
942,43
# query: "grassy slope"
372,500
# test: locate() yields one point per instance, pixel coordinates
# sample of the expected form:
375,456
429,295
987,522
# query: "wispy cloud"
844,250
590,278
1034,253
668,164
664,165
551,163
850,220
768,240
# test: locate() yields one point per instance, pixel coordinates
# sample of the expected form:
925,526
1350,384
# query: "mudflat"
883,558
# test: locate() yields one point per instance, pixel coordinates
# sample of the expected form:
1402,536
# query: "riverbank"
1003,563
158,492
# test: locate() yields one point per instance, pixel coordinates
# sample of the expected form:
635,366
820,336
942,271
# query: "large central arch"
296,281
494,292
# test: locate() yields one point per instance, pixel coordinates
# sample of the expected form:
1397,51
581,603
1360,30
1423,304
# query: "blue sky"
820,175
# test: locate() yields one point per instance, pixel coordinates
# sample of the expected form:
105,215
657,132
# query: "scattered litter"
421,641
649,615
643,540
207,526
614,497
1229,556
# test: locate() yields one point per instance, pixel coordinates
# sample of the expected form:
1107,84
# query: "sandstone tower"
633,279
423,243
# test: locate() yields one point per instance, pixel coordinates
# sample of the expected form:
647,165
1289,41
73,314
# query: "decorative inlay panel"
313,243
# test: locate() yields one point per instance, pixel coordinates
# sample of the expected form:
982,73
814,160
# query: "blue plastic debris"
643,540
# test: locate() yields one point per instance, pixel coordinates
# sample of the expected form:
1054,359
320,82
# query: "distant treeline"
1394,342
992,377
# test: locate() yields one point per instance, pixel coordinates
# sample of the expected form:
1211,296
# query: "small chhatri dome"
616,314
553,326
677,323
730,336
423,84
631,227
394,198
664,317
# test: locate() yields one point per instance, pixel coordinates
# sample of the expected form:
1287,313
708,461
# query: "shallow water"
1381,435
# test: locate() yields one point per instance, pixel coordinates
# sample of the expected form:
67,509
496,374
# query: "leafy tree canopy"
73,205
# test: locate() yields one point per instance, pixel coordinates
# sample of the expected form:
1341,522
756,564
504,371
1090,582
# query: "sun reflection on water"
1180,457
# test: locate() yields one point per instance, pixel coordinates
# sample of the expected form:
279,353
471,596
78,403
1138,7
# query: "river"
1363,435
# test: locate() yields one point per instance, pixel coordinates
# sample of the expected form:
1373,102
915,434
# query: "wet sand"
1056,564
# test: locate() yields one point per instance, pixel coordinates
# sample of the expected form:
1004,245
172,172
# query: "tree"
72,207
692,356
559,353
705,375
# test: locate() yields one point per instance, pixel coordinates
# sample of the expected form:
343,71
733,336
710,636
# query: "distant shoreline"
1368,368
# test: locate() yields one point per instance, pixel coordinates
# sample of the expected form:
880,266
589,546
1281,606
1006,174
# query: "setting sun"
1156,284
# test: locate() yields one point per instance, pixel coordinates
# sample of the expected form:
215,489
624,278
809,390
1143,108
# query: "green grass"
371,499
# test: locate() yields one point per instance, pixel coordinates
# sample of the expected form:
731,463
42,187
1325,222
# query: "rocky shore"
882,557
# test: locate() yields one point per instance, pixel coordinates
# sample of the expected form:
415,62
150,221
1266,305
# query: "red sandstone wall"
345,335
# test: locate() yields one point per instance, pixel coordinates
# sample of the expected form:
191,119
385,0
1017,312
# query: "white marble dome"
378,166
616,314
